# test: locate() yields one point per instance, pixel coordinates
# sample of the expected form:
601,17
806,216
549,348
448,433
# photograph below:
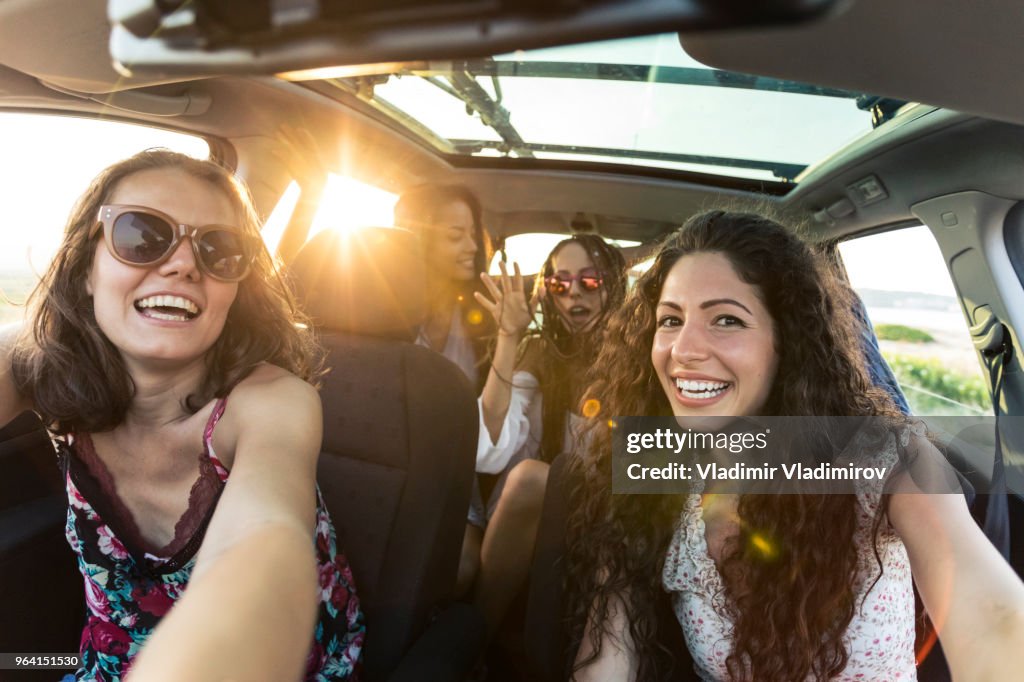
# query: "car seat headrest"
371,282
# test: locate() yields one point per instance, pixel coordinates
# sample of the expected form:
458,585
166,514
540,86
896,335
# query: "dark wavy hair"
561,357
77,379
419,207
789,614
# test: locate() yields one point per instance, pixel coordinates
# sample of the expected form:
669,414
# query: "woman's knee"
526,484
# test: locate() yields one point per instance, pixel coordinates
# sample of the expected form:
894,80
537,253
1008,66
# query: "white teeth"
165,316
700,390
700,386
168,302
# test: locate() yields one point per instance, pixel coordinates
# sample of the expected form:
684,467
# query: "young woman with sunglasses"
164,354
531,403
737,318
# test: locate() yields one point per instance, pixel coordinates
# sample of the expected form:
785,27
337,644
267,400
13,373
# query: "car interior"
859,123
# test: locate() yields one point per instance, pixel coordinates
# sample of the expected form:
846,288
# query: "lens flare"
591,408
763,546
475,317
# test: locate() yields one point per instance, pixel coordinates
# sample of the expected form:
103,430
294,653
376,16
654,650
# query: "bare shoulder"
531,352
270,387
531,345
927,500
12,402
270,409
924,468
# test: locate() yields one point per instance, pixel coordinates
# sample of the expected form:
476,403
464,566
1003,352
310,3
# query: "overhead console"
921,154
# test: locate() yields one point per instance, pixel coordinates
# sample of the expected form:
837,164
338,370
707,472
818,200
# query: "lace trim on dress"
202,498
879,639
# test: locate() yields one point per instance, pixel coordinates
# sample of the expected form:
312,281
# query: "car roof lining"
953,55
893,45
919,155
912,158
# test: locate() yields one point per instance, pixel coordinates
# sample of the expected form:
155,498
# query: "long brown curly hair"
73,374
789,614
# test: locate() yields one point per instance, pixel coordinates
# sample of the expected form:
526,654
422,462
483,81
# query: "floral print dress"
126,594
879,639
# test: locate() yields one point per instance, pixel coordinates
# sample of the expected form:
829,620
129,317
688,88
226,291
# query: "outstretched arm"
617,659
250,609
12,403
971,594
250,616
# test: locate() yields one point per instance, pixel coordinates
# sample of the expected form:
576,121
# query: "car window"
531,249
49,160
902,278
346,204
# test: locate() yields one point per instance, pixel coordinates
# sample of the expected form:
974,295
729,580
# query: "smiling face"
171,313
451,247
714,346
577,306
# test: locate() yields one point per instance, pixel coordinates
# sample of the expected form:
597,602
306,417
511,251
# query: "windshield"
640,101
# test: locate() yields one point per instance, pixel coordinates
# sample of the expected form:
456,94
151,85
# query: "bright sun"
346,205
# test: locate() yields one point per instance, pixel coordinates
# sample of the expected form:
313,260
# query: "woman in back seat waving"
530,407
163,354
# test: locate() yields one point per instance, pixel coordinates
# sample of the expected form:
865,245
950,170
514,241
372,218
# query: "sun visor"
65,43
275,36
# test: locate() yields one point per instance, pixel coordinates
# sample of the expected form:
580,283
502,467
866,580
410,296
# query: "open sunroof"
639,101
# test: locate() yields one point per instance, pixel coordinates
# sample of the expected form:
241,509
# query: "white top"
522,429
520,432
879,639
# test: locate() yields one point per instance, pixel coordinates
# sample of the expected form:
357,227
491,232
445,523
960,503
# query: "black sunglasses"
144,237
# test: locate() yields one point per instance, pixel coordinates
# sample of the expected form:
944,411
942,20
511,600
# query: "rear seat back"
40,586
400,433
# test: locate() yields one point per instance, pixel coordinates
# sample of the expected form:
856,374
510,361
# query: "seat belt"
997,509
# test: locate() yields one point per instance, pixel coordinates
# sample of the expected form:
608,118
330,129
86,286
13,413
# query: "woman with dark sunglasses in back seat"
164,354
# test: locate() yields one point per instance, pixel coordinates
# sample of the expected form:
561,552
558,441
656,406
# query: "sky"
48,162
713,121
898,260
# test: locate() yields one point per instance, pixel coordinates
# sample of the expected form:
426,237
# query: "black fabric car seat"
40,586
399,450
546,637
547,641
